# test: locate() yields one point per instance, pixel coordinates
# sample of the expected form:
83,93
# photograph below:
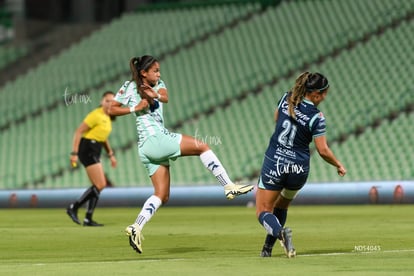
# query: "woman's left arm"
110,152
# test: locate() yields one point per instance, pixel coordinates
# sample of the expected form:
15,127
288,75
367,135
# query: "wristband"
132,109
73,153
159,96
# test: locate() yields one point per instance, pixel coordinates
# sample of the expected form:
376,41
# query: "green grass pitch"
340,240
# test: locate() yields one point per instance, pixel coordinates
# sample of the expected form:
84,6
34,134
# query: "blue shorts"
159,149
282,173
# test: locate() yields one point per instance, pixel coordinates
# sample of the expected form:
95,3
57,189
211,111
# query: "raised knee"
203,147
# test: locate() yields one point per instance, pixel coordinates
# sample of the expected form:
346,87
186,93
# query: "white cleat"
232,190
286,242
135,237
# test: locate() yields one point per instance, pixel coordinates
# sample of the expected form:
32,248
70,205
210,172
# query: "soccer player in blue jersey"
156,144
286,161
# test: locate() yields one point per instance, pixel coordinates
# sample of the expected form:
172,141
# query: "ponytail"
298,93
306,83
134,66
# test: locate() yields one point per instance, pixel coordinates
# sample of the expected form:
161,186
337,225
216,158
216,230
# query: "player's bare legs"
96,176
191,146
265,200
161,183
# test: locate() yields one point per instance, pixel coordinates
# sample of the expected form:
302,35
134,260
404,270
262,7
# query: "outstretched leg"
191,146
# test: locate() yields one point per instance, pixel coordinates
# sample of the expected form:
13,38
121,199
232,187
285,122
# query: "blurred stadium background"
225,63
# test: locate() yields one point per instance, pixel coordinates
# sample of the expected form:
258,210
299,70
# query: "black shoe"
73,214
266,251
89,222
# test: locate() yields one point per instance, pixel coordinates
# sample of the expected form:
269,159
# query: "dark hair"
305,83
137,64
316,81
107,93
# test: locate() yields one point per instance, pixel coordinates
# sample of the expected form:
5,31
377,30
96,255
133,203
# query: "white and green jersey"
148,123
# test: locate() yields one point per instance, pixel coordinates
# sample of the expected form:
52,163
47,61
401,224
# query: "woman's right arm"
116,108
76,141
326,153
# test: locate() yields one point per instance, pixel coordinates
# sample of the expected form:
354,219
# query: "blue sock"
281,215
270,223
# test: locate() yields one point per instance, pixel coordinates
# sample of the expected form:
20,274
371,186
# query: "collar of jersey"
307,101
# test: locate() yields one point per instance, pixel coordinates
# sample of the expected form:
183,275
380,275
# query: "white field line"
355,252
252,257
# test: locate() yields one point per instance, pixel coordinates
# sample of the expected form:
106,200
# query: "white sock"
148,210
213,164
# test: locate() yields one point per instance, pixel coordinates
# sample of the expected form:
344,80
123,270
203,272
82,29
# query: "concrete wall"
389,192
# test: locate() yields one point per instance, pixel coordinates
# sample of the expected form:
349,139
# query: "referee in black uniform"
88,140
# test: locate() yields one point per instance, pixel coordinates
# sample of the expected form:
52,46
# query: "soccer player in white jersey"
286,161
157,145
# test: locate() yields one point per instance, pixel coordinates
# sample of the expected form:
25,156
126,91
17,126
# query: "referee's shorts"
89,152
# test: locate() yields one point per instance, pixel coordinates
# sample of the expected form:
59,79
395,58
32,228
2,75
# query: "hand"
74,161
341,170
149,91
113,161
143,104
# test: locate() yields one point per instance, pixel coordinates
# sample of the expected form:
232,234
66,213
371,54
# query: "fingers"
341,171
143,104
74,161
145,88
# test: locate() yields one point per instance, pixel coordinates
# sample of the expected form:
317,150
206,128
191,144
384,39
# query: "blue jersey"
292,137
286,162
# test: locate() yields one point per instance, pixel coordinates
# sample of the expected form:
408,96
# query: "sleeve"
124,94
91,119
318,125
282,99
161,84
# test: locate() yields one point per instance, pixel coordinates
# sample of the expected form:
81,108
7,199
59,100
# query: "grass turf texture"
357,240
